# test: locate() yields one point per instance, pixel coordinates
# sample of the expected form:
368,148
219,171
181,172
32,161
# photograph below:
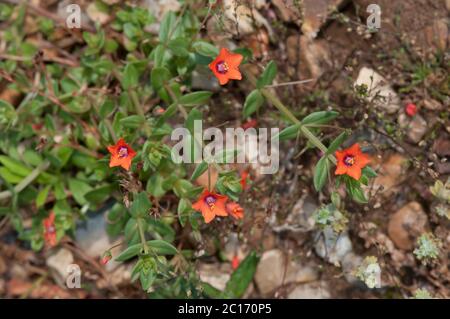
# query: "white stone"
214,274
377,86
317,290
58,263
333,247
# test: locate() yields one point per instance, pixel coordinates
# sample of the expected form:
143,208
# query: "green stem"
139,110
142,235
175,100
285,111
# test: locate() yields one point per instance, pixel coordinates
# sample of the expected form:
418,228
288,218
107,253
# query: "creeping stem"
142,235
285,110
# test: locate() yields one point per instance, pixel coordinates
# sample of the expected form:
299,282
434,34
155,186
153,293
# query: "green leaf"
184,207
242,276
129,253
288,133
267,76
131,231
194,115
8,115
154,185
10,177
130,77
78,189
321,117
42,196
355,190
59,190
195,98
337,142
179,46
162,247
132,121
141,205
211,291
369,172
32,158
99,195
15,166
182,187
158,55
199,170
159,77
321,173
206,49
252,103
167,24
147,279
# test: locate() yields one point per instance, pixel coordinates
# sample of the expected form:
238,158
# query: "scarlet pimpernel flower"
243,181
107,256
351,161
211,204
50,230
226,66
235,210
235,262
121,154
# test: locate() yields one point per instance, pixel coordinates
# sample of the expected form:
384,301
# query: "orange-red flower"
106,257
235,210
211,204
350,161
225,66
249,124
244,176
121,154
50,230
235,262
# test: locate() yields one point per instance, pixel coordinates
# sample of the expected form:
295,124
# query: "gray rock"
300,219
58,264
333,247
217,275
315,14
312,57
417,129
160,7
406,224
386,98
350,263
316,290
272,272
91,236
436,35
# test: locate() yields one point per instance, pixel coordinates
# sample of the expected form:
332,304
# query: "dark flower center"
349,160
50,229
210,200
123,152
222,67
